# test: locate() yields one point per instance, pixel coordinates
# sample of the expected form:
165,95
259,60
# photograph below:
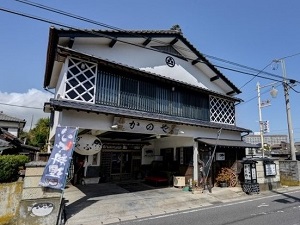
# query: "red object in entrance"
156,179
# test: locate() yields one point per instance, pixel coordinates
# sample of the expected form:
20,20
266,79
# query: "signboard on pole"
56,170
265,126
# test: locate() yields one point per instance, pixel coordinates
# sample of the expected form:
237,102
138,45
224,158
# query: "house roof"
146,35
107,63
8,140
5,136
226,143
4,117
59,104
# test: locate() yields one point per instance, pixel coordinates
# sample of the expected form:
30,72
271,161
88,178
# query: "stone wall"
289,172
38,205
10,194
267,182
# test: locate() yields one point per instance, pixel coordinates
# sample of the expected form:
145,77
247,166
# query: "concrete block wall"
267,182
289,172
38,205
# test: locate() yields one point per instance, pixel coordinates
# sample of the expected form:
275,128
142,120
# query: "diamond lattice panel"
222,111
80,82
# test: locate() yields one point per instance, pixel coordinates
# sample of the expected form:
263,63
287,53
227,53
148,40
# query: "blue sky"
250,33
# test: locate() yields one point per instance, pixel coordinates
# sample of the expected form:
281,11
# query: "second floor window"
146,95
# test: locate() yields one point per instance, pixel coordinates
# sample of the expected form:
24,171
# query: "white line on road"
214,207
263,205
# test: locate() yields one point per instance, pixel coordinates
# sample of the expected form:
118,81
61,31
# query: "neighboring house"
281,150
11,145
11,124
276,145
297,146
270,139
147,96
10,129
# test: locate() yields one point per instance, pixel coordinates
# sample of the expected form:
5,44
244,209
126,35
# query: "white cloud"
28,106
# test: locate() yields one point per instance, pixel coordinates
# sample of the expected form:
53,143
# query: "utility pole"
260,121
287,107
288,110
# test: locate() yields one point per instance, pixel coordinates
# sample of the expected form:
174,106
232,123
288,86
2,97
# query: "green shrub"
10,165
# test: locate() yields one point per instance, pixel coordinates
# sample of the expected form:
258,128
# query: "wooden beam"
112,43
195,61
214,78
230,93
147,41
71,42
174,41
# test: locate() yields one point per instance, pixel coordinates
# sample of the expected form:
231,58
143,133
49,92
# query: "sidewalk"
110,203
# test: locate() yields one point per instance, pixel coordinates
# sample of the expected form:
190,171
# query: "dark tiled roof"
55,34
6,136
8,139
87,107
4,117
3,143
226,142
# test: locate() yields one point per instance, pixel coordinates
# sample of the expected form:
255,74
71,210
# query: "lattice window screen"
222,111
80,82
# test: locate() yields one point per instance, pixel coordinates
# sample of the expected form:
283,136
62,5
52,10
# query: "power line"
137,35
152,49
264,92
255,76
289,56
251,74
21,106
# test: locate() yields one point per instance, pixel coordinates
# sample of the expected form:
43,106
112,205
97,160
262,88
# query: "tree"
38,136
176,27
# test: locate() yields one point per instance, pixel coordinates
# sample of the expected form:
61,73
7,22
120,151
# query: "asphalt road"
274,209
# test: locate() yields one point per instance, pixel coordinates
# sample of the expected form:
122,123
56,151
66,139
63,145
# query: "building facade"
146,97
11,124
270,139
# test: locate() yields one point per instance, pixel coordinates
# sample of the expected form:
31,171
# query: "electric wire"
107,36
71,27
255,97
138,35
289,56
115,28
21,106
255,76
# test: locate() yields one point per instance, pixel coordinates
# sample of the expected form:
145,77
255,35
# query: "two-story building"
11,124
146,96
10,129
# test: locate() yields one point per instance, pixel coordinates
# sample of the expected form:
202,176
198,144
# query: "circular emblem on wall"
87,144
42,209
170,61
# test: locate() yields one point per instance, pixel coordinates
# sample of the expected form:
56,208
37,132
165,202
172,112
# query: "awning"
226,142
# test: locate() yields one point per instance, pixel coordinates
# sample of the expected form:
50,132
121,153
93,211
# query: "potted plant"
223,177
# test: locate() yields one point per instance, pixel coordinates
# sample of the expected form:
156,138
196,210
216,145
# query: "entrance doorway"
121,164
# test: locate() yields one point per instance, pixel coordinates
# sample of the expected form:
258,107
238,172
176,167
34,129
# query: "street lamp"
288,107
263,125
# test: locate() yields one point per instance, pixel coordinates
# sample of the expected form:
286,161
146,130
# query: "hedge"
10,166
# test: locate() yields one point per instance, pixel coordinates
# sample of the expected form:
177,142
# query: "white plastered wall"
150,61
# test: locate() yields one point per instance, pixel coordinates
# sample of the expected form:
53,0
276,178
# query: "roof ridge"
6,117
